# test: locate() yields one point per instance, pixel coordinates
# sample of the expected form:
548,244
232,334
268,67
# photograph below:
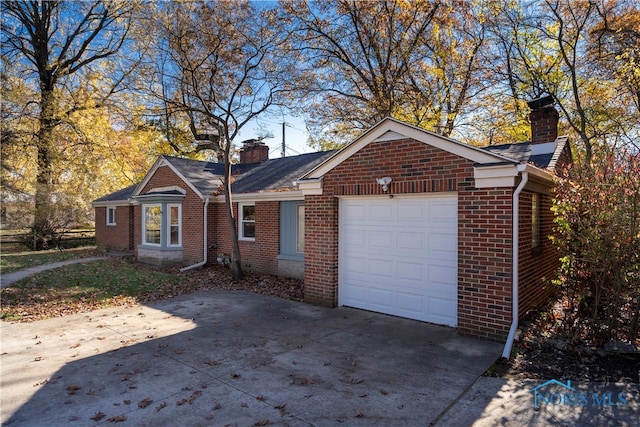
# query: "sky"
296,136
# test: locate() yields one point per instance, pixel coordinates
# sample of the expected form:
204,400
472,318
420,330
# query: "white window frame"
169,225
242,221
144,223
111,215
300,226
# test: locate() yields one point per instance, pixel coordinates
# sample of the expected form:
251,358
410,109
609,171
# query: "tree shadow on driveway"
234,358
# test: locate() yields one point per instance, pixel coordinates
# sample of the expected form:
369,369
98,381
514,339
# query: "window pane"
174,215
300,230
248,213
175,235
174,225
248,229
152,220
111,216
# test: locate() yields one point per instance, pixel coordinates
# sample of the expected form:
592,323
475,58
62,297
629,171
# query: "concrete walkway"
10,278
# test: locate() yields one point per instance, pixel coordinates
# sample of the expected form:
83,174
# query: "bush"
597,211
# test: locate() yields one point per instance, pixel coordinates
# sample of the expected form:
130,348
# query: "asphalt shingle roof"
124,194
205,176
267,176
521,152
274,174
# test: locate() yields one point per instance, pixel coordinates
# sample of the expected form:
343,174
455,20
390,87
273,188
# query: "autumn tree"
584,54
221,67
565,49
415,61
62,51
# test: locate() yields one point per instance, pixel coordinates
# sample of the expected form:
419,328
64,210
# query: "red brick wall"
536,266
259,255
544,124
192,214
114,237
484,227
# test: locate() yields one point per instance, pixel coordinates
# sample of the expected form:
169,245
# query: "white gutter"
522,168
204,238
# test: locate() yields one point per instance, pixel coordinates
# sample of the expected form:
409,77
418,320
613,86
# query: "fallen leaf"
127,402
98,416
117,419
144,403
262,423
194,396
161,406
73,389
217,406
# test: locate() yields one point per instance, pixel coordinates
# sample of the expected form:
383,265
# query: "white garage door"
399,256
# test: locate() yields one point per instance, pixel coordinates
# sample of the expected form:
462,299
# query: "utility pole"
284,145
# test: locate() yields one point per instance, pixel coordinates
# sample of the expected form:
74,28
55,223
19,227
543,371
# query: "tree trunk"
236,263
44,178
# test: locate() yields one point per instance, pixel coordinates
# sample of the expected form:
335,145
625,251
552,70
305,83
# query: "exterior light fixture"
384,182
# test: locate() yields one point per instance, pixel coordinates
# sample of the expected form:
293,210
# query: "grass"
14,261
85,287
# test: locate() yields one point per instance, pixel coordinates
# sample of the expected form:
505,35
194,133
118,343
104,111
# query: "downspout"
514,268
204,238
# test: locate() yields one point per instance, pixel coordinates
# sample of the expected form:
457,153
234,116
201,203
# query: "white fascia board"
280,196
391,129
164,162
540,176
495,176
310,187
505,176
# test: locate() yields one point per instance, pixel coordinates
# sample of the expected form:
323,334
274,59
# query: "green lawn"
84,287
13,261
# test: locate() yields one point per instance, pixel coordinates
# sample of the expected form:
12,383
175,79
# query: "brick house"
400,221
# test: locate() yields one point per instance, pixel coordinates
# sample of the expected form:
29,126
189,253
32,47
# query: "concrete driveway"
234,358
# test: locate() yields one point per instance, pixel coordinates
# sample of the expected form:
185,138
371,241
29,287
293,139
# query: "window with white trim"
174,226
151,226
247,221
111,215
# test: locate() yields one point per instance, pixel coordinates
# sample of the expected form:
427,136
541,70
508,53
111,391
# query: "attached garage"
399,256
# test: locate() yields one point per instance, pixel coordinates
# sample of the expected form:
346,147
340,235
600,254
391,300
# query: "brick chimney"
544,120
253,151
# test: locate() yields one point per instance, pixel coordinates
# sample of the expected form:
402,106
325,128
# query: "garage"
398,255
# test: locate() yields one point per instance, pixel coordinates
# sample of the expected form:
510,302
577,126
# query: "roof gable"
391,129
199,175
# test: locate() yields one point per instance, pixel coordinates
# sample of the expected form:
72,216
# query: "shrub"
597,211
